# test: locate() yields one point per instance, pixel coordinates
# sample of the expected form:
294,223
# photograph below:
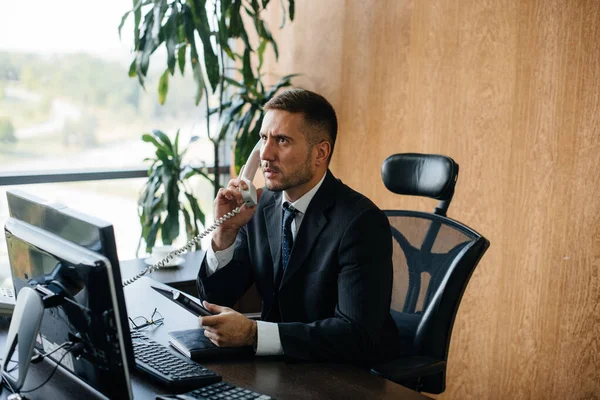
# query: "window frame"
13,178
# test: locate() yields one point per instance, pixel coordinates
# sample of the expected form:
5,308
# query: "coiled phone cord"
184,249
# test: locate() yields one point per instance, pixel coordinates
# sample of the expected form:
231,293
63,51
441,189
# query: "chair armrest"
253,316
409,367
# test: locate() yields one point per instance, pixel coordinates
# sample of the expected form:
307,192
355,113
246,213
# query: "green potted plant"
211,37
161,199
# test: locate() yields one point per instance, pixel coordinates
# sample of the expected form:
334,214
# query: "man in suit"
319,252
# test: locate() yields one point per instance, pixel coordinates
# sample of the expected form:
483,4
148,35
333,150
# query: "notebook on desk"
195,345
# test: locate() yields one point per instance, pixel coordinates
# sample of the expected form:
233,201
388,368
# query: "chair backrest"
429,175
430,278
434,256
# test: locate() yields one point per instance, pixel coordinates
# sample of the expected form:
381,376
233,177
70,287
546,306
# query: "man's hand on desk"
228,328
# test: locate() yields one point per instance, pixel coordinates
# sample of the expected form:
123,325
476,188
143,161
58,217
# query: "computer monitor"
81,229
74,226
77,308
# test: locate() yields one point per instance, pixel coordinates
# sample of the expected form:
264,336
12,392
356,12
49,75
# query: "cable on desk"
36,359
39,357
76,346
12,361
3,381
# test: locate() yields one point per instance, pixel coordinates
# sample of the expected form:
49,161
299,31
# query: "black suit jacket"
334,297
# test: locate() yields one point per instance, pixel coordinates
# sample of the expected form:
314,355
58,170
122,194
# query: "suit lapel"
313,223
273,216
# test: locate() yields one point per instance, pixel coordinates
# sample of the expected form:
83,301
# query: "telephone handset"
247,175
250,199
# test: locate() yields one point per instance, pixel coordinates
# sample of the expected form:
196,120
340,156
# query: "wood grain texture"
511,90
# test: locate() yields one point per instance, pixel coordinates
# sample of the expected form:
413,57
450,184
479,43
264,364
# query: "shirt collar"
302,203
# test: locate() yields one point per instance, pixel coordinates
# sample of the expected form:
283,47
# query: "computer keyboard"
218,391
171,369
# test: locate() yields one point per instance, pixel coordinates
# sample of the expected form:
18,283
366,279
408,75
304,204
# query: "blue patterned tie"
287,239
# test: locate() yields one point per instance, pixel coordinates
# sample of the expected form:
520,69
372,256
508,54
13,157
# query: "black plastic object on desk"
167,367
218,391
198,347
184,301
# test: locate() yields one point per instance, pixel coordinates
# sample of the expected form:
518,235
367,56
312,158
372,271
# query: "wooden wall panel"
511,90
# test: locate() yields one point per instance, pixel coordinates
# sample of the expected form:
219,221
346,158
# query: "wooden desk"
279,379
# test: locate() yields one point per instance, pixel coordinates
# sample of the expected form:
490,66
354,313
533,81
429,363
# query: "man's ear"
323,149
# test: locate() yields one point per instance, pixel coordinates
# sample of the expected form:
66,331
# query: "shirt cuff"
268,340
218,259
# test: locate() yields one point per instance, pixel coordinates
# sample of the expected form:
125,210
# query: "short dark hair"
318,113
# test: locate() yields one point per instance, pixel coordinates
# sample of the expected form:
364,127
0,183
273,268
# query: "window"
67,102
65,95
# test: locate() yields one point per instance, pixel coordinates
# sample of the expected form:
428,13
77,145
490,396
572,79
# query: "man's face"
286,159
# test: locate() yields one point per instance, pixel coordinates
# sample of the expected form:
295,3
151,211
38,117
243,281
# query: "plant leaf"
189,229
233,82
244,36
146,47
246,140
264,32
158,9
186,172
199,82
165,178
223,36
151,139
151,237
282,15
203,174
260,51
292,9
163,87
182,44
132,73
171,39
247,69
196,69
137,4
162,155
170,228
176,144
196,211
229,117
225,5
283,82
165,139
124,18
211,61
235,21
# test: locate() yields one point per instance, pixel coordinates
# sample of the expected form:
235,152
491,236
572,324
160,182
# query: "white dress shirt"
268,340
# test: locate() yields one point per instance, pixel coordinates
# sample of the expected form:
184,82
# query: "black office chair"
434,257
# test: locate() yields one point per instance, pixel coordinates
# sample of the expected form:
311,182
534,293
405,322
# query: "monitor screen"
86,309
74,226
79,228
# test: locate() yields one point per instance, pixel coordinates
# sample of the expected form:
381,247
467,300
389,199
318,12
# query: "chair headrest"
430,175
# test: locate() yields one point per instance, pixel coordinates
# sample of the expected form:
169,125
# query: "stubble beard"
298,177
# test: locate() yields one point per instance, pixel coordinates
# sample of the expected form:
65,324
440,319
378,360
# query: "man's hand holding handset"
227,327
